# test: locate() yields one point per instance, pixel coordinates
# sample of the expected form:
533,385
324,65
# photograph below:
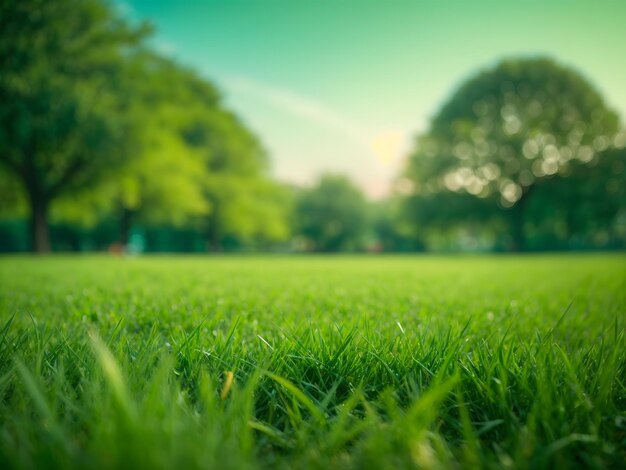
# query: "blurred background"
286,126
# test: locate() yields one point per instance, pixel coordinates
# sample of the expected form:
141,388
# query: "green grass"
342,362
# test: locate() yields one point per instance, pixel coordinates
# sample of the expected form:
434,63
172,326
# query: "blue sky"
345,85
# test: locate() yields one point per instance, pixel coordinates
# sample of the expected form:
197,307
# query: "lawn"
313,362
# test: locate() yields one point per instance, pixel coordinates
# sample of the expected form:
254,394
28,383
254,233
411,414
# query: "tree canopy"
93,122
504,133
61,105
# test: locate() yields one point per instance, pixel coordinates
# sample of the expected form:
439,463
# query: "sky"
345,86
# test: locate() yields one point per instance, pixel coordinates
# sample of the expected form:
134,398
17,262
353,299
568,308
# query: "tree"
165,181
244,202
195,163
62,114
332,216
506,132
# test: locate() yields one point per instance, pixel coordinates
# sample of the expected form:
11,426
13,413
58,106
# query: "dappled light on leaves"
510,134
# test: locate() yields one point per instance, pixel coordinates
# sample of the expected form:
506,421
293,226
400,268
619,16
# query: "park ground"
313,362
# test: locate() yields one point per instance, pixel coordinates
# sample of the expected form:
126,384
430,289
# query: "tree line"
106,143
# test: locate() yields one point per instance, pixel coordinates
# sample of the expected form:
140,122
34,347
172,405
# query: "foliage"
505,132
331,216
245,202
381,362
99,125
62,114
584,204
391,230
165,180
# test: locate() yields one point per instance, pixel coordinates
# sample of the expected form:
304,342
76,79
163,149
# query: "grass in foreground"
346,362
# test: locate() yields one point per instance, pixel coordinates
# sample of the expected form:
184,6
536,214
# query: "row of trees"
334,216
105,137
94,124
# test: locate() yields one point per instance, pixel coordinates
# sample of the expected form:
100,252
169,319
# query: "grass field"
313,362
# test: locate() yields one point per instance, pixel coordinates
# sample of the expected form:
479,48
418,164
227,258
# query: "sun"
388,146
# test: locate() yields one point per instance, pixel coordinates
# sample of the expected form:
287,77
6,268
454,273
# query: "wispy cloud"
376,154
166,48
299,106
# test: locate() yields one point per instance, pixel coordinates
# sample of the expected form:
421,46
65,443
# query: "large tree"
62,100
505,132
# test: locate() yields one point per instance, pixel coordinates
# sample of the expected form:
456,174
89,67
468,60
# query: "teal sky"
346,85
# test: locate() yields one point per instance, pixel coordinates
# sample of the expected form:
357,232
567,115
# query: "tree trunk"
39,229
